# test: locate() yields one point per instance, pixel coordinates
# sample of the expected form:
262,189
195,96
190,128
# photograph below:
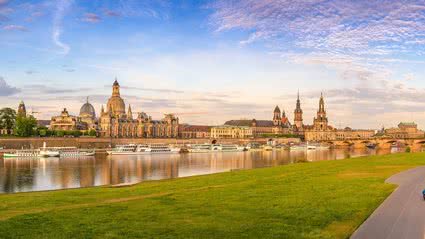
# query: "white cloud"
15,28
62,7
91,17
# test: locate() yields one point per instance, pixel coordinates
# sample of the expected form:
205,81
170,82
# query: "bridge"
383,143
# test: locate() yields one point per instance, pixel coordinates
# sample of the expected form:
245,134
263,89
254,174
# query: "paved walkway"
402,214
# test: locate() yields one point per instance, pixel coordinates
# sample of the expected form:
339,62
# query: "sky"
212,61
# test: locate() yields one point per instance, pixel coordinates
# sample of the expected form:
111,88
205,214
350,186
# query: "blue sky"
210,61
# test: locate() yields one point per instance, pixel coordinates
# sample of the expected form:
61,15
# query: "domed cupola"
87,110
116,103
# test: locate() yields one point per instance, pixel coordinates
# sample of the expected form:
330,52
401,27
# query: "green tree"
60,133
75,133
7,119
92,133
25,126
42,131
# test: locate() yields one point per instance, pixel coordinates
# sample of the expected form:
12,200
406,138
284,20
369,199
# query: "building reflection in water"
20,175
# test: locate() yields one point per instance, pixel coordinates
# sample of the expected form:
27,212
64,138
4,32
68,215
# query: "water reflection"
21,175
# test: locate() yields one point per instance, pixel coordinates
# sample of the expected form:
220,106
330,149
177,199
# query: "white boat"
267,148
23,153
206,148
199,148
72,152
311,147
141,149
227,148
48,152
298,147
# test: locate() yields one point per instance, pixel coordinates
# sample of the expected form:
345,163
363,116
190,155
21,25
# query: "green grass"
327,199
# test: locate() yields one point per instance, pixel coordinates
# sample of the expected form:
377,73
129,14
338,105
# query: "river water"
23,175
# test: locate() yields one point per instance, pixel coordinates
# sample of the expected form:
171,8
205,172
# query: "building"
298,116
66,122
348,133
88,116
405,130
278,125
116,122
322,131
231,132
194,131
22,111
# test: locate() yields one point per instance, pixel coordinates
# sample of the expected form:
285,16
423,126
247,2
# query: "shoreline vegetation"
326,199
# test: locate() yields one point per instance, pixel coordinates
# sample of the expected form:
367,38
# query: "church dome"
87,110
117,105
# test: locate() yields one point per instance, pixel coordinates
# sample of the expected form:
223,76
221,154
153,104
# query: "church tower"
298,114
276,116
22,112
321,121
116,88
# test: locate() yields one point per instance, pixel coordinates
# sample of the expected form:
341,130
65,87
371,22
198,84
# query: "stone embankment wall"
101,143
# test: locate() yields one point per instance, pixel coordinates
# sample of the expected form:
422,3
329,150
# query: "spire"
298,106
129,113
102,110
87,99
321,103
276,109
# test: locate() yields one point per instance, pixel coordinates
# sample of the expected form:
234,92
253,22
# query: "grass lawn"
327,199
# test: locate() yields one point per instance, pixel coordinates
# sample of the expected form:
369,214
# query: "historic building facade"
66,122
88,116
322,131
278,125
231,132
298,117
194,131
116,122
405,130
85,121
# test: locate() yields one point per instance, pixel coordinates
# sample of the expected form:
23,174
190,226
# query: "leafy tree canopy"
7,118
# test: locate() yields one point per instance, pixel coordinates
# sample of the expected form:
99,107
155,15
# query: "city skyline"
212,61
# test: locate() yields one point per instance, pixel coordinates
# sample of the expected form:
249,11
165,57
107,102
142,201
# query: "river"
24,175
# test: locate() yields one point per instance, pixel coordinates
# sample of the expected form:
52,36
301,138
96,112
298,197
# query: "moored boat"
142,149
298,147
232,148
200,148
23,153
206,148
48,152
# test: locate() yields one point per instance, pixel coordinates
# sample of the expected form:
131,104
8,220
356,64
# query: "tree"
7,119
25,126
92,133
60,133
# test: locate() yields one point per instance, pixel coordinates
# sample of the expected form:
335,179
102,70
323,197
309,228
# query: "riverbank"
102,143
327,199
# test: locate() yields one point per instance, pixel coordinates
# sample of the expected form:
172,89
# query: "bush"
92,133
408,149
60,133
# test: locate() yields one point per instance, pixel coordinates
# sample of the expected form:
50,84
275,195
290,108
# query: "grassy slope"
326,199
